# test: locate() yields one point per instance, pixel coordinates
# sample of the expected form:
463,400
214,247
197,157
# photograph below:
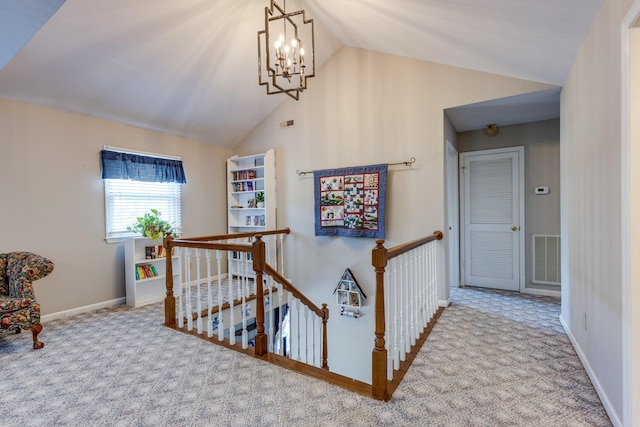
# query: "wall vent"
287,124
546,259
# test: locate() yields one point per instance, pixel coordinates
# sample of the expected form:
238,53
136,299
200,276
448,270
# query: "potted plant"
150,225
260,199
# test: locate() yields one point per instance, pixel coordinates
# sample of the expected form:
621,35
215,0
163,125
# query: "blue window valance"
119,165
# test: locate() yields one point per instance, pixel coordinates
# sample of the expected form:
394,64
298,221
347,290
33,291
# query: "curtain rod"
144,153
407,163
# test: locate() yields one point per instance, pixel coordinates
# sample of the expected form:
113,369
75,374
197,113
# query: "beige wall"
365,108
590,152
53,197
541,141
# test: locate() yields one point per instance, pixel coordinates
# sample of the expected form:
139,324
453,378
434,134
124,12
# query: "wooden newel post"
325,350
379,354
261,339
170,299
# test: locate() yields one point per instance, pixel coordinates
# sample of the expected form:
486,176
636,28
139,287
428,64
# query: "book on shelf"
244,175
153,252
146,271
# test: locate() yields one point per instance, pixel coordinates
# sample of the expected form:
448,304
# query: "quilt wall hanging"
350,201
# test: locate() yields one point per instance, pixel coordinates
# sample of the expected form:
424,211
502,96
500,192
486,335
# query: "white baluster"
418,286
407,316
293,328
207,254
198,295
245,335
395,304
401,306
268,243
387,317
314,325
280,256
271,320
232,320
280,316
434,275
412,301
306,333
319,342
180,292
427,280
220,301
189,309
424,286
240,270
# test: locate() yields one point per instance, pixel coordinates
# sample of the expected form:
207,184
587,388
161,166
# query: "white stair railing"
406,302
293,326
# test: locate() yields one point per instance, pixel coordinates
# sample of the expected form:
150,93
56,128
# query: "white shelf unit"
151,289
246,177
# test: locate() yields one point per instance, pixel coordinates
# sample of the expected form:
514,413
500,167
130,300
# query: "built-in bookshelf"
145,271
251,197
251,193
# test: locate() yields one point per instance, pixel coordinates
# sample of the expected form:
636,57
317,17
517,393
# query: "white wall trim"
542,292
629,377
592,376
79,310
443,303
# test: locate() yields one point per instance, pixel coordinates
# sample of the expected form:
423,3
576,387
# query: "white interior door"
493,218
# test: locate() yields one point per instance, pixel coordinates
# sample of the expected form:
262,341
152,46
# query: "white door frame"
630,136
521,194
453,217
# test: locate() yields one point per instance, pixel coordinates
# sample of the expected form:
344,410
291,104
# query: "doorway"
492,218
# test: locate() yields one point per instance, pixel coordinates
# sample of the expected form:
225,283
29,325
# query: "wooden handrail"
237,235
379,258
288,286
406,247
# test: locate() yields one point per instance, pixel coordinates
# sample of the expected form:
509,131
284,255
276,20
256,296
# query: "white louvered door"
492,218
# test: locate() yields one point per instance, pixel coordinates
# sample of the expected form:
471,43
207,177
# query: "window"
125,200
135,183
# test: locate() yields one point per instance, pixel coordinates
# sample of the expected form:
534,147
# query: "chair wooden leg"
36,329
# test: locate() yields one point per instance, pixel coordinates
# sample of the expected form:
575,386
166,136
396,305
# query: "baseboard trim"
79,310
444,303
542,292
592,376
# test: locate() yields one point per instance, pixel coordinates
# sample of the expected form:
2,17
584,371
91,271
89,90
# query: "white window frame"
166,197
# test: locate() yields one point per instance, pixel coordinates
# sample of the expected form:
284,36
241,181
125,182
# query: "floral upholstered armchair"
18,306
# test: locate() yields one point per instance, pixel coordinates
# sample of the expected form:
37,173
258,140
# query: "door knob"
514,228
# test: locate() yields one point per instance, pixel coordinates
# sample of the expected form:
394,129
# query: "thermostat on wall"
542,190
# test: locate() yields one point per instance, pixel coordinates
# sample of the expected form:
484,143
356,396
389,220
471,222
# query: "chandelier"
288,63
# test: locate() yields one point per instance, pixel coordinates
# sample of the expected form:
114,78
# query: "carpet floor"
493,359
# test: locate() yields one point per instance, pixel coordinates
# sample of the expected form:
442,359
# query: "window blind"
126,200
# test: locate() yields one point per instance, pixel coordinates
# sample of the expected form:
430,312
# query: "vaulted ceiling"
189,67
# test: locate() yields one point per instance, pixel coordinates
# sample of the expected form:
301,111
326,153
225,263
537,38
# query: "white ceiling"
189,67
